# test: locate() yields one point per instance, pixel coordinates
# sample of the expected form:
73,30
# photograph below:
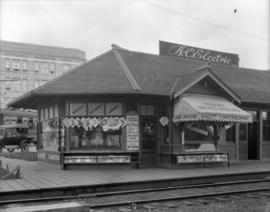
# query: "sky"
235,26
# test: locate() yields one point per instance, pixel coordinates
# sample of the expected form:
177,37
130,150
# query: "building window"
96,138
36,66
7,64
16,65
52,68
41,114
66,67
43,82
199,136
44,68
78,109
230,132
55,110
114,109
46,113
24,85
51,112
7,80
266,125
16,84
36,83
242,132
96,109
24,65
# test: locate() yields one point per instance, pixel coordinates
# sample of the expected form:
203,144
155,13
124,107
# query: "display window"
230,132
97,138
200,137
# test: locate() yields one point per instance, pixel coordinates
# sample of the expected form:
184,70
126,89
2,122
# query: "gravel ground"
221,204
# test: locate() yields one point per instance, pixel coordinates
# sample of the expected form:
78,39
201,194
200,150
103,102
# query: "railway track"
142,196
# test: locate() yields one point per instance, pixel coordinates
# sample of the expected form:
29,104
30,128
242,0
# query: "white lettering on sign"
218,107
198,130
133,145
132,132
194,53
198,54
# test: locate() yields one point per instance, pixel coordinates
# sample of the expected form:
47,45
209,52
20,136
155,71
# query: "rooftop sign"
193,53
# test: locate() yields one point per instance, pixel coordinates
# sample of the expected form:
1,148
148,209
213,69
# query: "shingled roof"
120,71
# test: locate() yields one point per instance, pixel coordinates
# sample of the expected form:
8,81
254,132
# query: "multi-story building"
24,67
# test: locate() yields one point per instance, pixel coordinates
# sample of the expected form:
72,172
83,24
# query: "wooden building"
126,108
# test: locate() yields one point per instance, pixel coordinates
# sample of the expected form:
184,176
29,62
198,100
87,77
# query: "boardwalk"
38,175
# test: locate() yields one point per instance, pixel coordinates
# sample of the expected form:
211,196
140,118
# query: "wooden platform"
41,175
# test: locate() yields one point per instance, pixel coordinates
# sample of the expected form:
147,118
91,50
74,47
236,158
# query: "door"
253,140
148,144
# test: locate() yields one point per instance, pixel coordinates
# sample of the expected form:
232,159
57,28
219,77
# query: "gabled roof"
120,71
187,81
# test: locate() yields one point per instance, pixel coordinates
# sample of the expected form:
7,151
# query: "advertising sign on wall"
194,53
132,132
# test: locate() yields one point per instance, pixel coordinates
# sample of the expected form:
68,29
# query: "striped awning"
208,108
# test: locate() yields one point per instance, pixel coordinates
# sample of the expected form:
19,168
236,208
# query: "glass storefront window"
230,132
199,137
266,125
242,132
96,138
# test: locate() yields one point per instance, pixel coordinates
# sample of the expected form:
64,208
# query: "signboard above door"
194,53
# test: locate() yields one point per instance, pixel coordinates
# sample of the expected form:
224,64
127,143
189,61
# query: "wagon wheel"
11,149
25,147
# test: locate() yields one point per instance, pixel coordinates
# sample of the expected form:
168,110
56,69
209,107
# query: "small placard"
132,132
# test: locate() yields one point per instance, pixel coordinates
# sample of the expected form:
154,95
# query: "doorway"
253,140
148,156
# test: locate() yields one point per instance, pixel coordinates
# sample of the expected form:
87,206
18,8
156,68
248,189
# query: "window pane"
82,139
96,109
114,109
55,110
78,109
242,132
51,111
230,132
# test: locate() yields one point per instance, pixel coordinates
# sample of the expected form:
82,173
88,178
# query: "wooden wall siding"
265,147
243,151
230,148
212,88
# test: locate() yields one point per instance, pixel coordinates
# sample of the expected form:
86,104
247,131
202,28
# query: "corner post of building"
237,127
171,105
260,140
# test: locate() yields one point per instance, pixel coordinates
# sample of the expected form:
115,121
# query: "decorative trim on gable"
213,77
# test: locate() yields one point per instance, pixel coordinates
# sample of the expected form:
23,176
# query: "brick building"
24,67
